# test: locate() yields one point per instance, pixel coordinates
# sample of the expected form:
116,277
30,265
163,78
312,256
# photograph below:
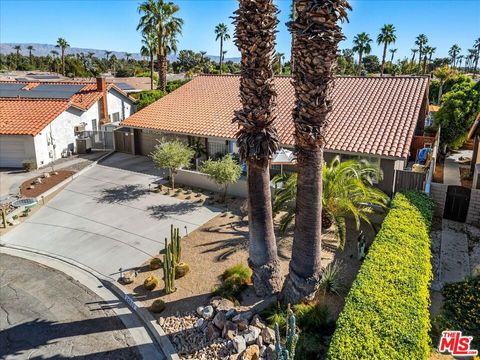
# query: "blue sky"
111,24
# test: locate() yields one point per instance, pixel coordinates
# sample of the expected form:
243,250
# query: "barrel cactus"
181,270
150,283
157,306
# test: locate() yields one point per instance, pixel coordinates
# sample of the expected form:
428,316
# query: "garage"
13,150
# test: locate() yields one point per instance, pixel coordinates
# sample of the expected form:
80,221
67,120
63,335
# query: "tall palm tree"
414,52
361,45
293,14
17,48
149,48
428,53
421,40
202,56
347,191
392,52
460,60
221,30
317,37
280,56
257,139
30,50
476,45
62,44
453,52
472,53
386,37
107,54
127,56
159,16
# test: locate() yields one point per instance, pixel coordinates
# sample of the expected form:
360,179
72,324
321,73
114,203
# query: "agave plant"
348,191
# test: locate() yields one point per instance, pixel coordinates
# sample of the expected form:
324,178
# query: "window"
216,149
94,125
116,117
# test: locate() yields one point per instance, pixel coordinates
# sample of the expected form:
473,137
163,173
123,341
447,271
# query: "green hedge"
386,312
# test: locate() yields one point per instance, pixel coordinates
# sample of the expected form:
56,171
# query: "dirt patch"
34,187
438,174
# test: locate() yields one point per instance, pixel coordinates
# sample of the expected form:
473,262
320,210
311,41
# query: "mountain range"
45,49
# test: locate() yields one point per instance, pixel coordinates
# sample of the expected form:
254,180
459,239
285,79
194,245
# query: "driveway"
45,314
107,219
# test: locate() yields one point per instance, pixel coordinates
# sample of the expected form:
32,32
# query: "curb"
155,330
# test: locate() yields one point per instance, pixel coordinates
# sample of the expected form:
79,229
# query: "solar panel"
11,86
42,91
44,77
125,86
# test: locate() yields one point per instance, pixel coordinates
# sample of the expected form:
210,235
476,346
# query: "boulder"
242,324
221,304
263,350
230,313
208,312
229,330
270,353
260,341
219,320
251,335
251,353
200,310
212,332
239,344
199,323
268,336
247,315
257,321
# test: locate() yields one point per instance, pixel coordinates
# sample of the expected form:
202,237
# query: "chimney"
102,87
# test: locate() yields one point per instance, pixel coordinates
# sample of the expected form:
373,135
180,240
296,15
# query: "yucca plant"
347,191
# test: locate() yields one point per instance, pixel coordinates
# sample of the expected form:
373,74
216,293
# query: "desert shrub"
386,313
330,281
157,306
156,263
29,165
276,315
314,317
234,280
461,309
150,283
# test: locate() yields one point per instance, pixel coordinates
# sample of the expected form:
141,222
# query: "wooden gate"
456,204
408,180
123,140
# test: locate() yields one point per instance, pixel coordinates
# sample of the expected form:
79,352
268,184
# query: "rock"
242,324
212,332
270,352
268,335
221,304
219,320
128,277
263,349
260,341
208,312
46,175
247,315
199,323
161,321
251,335
257,321
239,344
229,330
251,353
230,313
38,181
200,310
233,357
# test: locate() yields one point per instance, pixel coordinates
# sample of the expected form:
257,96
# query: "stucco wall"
473,216
439,196
28,148
196,179
116,102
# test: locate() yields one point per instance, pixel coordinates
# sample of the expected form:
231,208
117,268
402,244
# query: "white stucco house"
38,119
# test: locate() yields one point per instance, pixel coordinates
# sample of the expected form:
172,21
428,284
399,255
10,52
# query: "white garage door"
12,152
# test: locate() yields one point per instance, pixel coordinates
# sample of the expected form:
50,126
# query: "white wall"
116,102
200,180
9,142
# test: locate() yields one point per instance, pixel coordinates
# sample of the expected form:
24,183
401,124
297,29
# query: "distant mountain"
45,49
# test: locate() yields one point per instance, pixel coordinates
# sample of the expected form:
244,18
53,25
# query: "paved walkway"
451,167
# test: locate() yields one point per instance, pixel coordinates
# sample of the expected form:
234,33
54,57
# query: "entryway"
456,203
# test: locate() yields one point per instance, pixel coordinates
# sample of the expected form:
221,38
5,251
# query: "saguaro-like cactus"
4,218
173,252
287,351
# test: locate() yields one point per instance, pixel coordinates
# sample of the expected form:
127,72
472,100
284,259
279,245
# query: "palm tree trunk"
221,54
316,47
292,57
383,58
360,53
151,70
63,62
162,72
424,64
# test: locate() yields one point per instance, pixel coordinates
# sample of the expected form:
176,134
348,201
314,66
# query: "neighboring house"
38,119
372,117
474,135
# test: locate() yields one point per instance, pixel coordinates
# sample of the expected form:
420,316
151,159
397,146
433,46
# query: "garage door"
12,152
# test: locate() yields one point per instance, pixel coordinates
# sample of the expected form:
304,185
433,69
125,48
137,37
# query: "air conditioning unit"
79,128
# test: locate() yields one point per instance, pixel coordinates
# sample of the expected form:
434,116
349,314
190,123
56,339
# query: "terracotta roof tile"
370,115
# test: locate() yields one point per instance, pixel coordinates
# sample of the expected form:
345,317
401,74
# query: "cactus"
287,351
173,253
4,218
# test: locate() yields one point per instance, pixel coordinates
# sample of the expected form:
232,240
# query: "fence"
100,140
409,180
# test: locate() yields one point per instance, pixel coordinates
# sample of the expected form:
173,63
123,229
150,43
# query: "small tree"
224,171
172,155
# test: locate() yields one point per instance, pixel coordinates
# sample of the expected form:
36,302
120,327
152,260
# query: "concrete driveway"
107,219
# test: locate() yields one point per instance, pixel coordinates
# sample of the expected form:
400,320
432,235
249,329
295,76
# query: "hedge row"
386,312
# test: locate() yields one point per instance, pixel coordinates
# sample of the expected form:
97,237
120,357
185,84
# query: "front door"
456,204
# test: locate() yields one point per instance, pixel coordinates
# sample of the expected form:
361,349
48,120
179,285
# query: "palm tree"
361,46
221,30
107,54
476,45
421,41
427,55
347,191
317,37
386,37
442,74
159,16
30,50
149,48
62,44
257,139
202,56
280,56
127,56
293,14
17,48
392,51
414,52
453,52
472,53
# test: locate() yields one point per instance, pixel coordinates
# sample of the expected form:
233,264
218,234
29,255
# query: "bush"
386,314
234,281
175,84
157,306
150,283
156,263
148,97
330,281
461,309
29,165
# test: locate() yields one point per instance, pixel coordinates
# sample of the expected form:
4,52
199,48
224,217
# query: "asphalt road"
44,314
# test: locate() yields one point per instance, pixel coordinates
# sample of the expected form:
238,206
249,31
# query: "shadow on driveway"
122,193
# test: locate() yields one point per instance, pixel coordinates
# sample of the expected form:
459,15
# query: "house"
474,134
38,120
375,118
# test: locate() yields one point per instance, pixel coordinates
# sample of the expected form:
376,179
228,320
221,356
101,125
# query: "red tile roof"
28,116
370,115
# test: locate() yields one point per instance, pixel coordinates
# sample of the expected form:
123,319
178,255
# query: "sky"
111,24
